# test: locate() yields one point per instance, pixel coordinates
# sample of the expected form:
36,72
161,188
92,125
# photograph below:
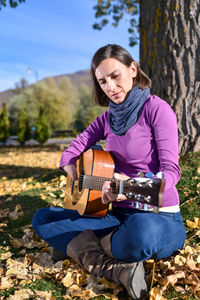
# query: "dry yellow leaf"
82,278
5,255
193,279
188,250
197,221
171,279
43,197
156,294
44,295
179,260
24,282
21,294
6,283
9,199
17,243
4,213
16,269
191,225
68,280
14,215
66,264
18,208
3,225
198,259
179,289
62,195
191,264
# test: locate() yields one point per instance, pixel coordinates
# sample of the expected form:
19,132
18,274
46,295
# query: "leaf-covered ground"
30,179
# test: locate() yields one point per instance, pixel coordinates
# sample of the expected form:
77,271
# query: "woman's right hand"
71,170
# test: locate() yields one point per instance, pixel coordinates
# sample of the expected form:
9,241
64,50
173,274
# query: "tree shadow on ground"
41,174
29,202
33,148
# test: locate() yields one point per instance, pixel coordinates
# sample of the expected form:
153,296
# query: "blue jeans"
138,235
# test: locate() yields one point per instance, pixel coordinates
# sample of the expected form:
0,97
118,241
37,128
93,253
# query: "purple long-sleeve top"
150,145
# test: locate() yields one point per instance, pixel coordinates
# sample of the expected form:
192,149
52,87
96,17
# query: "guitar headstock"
147,189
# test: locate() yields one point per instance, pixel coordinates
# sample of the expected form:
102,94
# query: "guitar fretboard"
96,183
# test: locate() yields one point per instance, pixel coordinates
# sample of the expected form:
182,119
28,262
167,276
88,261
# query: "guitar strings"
100,180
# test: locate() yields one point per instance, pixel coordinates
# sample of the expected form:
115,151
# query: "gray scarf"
124,115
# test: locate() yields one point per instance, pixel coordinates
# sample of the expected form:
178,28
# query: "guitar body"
86,201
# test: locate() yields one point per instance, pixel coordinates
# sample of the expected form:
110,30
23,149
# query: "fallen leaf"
171,279
188,250
5,283
192,279
156,294
21,294
4,213
191,224
44,295
197,221
68,280
16,269
191,264
17,243
179,260
5,255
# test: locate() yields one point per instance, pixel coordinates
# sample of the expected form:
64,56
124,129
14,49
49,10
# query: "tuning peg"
139,197
131,181
145,206
129,195
136,204
149,175
160,175
140,174
148,199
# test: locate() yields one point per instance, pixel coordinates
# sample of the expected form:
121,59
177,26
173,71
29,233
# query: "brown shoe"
57,255
86,250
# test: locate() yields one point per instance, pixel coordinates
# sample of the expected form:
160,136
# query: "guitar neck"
96,183
145,190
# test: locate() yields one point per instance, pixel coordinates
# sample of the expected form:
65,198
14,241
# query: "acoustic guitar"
94,167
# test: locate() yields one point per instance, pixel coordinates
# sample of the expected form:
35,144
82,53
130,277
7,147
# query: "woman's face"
115,78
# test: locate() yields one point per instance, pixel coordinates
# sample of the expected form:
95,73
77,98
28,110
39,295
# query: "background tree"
41,128
87,111
12,3
169,54
58,97
4,124
117,9
23,128
20,86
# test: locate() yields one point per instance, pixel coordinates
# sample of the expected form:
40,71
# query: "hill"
77,78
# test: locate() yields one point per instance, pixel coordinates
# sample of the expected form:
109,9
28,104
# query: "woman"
141,132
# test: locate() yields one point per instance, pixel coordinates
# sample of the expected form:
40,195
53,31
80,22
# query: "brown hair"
122,55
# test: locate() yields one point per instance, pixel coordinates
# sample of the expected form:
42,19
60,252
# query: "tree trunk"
170,55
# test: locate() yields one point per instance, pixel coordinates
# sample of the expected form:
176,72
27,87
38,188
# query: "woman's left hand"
107,195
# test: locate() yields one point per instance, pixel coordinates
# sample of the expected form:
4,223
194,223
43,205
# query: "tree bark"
170,55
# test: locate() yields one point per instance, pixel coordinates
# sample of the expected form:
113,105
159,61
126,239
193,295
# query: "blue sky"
52,38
